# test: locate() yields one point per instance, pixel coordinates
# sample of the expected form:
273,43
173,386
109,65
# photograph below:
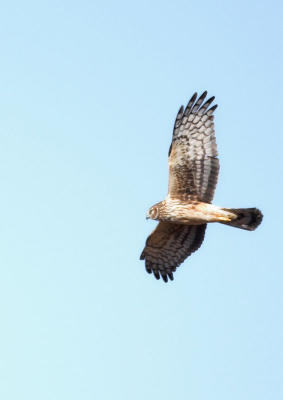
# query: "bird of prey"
193,174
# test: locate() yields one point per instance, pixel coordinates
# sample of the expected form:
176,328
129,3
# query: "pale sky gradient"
89,93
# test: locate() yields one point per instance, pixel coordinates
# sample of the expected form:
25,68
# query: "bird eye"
153,213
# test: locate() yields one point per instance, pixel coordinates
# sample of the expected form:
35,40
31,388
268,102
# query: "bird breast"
191,212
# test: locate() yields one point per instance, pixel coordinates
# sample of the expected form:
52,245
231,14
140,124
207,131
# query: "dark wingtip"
181,109
148,269
205,106
170,274
194,96
190,104
201,98
156,274
213,108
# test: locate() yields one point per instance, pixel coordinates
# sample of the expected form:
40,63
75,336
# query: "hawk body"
189,212
193,174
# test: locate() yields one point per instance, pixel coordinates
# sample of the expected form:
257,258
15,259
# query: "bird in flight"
193,174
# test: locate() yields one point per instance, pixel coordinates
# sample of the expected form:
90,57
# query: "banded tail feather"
247,218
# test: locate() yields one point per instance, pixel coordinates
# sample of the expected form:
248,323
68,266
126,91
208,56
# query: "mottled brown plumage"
193,174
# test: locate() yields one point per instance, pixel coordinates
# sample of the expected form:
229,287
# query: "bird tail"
246,218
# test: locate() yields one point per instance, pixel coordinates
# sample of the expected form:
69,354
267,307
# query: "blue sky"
89,93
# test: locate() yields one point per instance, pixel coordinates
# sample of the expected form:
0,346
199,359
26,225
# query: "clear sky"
89,93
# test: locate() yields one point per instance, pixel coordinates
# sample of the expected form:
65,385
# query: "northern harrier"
185,212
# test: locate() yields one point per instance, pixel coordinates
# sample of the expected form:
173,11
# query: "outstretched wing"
193,162
169,245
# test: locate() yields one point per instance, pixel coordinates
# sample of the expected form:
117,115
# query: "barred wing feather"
169,245
193,162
